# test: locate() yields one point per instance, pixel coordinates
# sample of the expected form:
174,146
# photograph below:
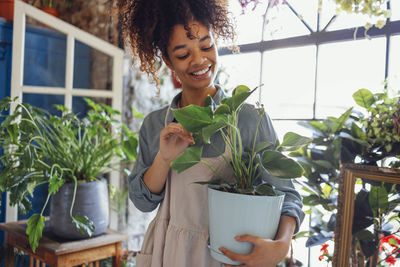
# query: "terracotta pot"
7,9
49,10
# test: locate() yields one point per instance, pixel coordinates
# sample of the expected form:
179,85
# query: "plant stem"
211,168
73,196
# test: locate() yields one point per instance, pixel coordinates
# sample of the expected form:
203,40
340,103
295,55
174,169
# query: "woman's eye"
183,57
208,48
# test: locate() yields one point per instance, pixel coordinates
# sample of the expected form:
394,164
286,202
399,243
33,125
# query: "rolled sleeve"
139,193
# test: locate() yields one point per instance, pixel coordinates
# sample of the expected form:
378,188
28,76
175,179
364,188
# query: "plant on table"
245,162
40,148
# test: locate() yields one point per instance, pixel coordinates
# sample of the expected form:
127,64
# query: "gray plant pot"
91,200
233,214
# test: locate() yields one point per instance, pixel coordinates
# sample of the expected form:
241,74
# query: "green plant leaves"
55,182
83,224
281,166
293,141
378,199
189,158
340,122
193,118
242,92
265,190
211,129
364,98
34,230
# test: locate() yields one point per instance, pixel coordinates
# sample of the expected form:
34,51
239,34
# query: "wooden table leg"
9,260
117,260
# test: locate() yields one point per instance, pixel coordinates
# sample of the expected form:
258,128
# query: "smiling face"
193,56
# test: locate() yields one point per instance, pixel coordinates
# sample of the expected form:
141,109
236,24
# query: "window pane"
240,69
249,19
80,107
394,63
308,10
288,77
92,68
283,23
45,102
395,6
343,69
45,56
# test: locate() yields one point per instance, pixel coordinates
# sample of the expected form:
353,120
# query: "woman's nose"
198,58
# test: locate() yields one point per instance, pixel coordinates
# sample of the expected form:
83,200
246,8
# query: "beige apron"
178,235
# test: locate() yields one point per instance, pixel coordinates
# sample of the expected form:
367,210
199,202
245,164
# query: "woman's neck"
196,97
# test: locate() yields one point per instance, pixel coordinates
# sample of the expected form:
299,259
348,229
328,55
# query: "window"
311,65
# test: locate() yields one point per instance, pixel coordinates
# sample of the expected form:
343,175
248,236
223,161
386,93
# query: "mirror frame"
345,209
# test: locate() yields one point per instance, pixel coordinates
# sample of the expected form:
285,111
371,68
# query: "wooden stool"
57,252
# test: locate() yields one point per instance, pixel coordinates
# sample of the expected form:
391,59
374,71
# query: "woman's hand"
174,139
266,252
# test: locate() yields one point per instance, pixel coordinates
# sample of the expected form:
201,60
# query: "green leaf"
293,141
281,166
378,199
237,100
358,132
265,190
222,109
340,122
262,145
83,224
357,140
189,158
136,113
364,235
240,89
319,126
34,230
193,118
324,163
208,101
211,129
364,98
55,182
326,190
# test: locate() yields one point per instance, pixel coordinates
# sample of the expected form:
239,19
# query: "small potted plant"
69,154
231,204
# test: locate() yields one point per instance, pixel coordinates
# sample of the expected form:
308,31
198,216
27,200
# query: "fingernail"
237,237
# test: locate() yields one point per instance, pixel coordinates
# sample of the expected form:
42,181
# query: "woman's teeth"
200,72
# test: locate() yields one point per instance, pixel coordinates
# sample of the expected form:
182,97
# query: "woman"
182,33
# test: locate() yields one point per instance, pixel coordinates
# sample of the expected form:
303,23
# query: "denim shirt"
149,141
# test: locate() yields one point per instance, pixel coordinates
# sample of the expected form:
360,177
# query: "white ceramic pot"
236,214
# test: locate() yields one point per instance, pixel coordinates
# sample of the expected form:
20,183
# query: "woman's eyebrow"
183,46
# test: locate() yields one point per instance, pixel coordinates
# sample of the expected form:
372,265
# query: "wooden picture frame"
345,210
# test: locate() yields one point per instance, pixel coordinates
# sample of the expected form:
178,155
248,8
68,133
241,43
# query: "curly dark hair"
147,25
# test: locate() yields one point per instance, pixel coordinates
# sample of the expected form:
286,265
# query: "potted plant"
69,154
225,198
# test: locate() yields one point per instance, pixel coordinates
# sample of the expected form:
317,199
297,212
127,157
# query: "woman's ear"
167,62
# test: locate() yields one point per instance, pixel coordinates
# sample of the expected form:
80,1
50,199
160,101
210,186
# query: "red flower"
391,260
321,257
324,248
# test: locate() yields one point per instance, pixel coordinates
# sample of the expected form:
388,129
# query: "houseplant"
62,151
370,137
246,164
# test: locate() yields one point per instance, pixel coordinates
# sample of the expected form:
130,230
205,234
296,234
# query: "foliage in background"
245,162
41,148
371,138
375,9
